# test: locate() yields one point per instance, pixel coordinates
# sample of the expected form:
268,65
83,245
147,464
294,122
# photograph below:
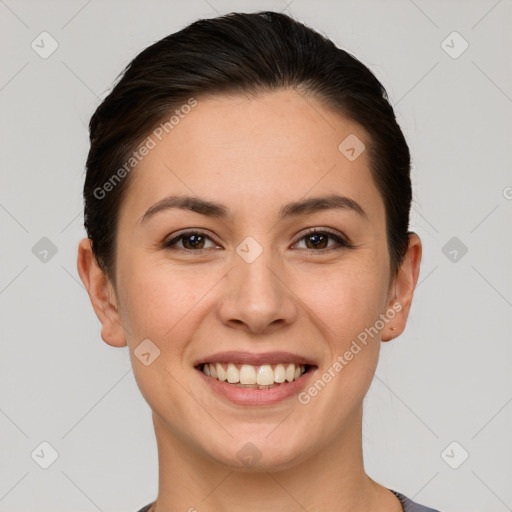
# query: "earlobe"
403,286
101,295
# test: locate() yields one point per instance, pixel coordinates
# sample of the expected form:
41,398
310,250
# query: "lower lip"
249,396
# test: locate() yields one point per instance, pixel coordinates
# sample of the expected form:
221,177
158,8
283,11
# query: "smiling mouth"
265,376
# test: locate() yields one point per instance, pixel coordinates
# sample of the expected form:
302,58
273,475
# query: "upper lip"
238,357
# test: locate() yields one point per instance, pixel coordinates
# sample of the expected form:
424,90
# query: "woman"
247,208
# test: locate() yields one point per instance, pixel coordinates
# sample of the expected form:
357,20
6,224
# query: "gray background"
448,378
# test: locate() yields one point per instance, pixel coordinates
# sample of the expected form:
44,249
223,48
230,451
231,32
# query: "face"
264,279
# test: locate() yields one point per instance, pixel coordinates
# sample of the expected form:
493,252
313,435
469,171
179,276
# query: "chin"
259,454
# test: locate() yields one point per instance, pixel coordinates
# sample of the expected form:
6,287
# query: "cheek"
161,305
349,301
156,300
348,307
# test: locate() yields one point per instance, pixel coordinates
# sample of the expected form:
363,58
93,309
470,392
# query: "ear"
402,289
102,295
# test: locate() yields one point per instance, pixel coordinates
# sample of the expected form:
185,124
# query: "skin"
255,155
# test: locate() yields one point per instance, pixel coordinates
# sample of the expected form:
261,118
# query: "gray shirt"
411,506
407,504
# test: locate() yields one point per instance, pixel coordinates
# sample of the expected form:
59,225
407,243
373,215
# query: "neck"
332,479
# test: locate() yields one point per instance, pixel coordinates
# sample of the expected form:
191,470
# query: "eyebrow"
218,210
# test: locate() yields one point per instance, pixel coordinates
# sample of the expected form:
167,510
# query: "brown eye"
318,241
191,241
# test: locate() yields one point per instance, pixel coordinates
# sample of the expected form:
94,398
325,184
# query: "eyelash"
342,242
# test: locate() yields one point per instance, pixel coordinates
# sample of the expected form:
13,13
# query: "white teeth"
290,372
233,374
221,373
265,375
262,377
248,374
279,373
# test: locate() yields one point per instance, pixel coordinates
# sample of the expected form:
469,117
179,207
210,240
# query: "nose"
257,297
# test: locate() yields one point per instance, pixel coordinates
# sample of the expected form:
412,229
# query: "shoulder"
409,505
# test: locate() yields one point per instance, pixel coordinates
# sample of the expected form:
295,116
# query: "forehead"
277,146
